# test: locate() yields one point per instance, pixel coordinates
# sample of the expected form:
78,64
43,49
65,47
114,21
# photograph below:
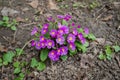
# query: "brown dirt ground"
79,67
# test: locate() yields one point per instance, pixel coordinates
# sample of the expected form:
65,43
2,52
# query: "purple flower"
50,18
83,40
33,43
45,26
80,36
53,55
67,17
79,26
44,31
59,51
66,29
72,46
43,44
53,33
60,40
50,44
75,32
34,31
38,45
42,38
61,31
71,38
86,30
59,25
64,50
60,16
73,24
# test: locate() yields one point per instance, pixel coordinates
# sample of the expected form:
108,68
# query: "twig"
5,39
99,10
100,15
14,35
29,24
24,47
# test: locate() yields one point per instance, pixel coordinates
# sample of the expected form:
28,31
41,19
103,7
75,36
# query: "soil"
79,67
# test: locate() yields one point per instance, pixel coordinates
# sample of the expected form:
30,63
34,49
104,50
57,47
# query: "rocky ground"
103,20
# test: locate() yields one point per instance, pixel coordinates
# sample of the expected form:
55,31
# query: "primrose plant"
60,37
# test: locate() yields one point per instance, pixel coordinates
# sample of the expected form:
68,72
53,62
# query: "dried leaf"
86,61
116,4
101,41
107,18
8,11
34,3
3,48
19,19
52,5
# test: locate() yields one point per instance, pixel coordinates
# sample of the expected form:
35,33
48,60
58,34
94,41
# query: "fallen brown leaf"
101,41
34,3
107,18
19,19
3,48
52,5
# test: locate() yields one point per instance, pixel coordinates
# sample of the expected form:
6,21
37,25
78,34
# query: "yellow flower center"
70,46
42,39
70,38
59,39
52,53
38,44
58,50
44,31
42,44
50,43
53,33
63,49
61,31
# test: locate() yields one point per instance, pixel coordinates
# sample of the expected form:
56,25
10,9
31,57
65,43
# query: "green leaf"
84,49
101,56
81,47
1,23
23,63
5,18
9,25
17,70
44,54
108,50
18,78
109,57
13,28
116,48
0,60
64,58
47,35
72,52
34,62
75,5
5,63
19,51
80,30
21,75
16,64
1,64
64,22
86,44
41,66
8,56
91,36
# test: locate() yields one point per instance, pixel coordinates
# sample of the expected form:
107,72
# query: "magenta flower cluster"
61,38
